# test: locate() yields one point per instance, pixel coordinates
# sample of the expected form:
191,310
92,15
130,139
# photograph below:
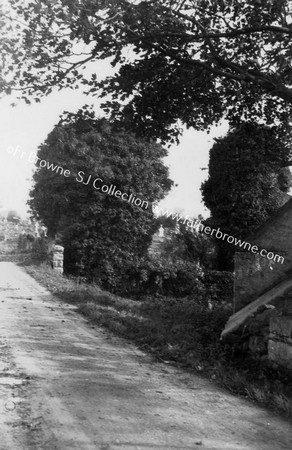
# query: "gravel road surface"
67,386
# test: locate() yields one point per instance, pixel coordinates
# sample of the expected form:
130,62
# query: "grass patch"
177,331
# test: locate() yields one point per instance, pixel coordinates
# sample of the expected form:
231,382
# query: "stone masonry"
256,276
57,258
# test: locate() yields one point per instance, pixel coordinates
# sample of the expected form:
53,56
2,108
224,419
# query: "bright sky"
27,126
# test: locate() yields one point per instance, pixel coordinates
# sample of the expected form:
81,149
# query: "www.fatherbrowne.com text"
96,183
197,226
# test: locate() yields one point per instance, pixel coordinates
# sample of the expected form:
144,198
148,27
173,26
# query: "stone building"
263,289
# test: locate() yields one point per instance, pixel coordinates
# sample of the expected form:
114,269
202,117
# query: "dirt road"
66,386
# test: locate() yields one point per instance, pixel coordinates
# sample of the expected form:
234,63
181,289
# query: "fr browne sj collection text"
80,178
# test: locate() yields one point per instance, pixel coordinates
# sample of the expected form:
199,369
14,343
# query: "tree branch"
241,74
251,30
233,33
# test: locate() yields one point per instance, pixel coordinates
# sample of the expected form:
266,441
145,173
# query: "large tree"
248,179
100,230
193,61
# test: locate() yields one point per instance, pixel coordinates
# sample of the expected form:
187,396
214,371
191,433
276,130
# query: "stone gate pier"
57,258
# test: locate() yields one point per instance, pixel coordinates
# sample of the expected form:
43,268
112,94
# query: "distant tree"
248,180
100,231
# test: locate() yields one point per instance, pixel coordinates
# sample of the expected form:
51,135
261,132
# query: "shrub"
25,242
40,249
160,276
219,286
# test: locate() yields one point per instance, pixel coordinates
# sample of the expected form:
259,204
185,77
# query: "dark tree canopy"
99,230
248,179
191,246
176,61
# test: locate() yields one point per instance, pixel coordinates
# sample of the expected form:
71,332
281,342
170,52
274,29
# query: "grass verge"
176,331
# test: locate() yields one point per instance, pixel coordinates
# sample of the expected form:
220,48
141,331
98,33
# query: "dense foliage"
99,231
160,276
248,180
191,245
193,61
219,286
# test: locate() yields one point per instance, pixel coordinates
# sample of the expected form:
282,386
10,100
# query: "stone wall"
280,340
269,331
255,274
